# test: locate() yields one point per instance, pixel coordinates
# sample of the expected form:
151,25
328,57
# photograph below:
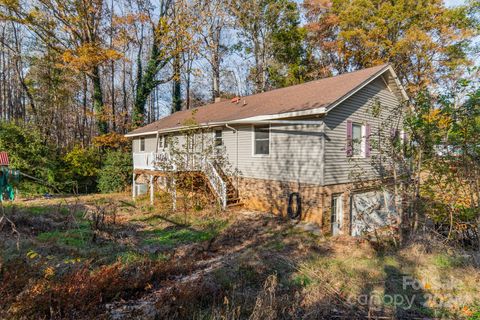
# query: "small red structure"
4,159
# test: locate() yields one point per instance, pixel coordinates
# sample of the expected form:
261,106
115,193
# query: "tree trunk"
98,106
146,82
416,206
177,86
215,77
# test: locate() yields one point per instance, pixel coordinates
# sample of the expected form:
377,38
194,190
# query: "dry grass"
151,263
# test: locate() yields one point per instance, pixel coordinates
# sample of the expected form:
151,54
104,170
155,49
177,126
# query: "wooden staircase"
219,183
233,198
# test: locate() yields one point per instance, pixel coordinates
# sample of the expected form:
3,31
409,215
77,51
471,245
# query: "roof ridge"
307,82
275,89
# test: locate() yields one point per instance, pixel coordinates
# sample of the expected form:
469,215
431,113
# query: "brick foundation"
272,196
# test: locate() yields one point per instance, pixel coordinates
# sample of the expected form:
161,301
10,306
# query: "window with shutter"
358,139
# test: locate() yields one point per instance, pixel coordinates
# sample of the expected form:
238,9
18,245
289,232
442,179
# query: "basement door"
337,214
372,210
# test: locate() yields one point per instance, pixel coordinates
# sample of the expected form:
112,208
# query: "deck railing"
164,161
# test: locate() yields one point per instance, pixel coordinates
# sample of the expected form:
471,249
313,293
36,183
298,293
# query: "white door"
337,214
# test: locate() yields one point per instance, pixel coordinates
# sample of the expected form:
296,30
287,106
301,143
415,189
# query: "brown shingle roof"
309,95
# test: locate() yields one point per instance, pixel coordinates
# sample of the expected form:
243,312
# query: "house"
308,148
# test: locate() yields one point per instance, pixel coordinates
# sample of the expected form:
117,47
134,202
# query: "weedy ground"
105,257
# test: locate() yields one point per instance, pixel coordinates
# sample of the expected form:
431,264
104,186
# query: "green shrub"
30,154
81,167
116,172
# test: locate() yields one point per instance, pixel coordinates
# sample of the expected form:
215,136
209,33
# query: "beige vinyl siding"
338,168
150,144
295,153
313,154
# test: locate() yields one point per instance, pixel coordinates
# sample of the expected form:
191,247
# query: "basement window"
142,144
261,140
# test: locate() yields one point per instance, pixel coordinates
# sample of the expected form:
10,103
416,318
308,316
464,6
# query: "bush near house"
116,172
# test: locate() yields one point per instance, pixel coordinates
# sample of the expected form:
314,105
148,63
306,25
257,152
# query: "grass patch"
445,261
77,238
172,237
302,280
133,256
38,210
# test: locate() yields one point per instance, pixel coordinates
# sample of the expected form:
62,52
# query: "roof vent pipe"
235,100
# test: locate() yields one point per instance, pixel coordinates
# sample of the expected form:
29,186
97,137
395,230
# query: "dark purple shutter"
367,140
349,138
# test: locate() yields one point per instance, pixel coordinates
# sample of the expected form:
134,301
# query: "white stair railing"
163,161
216,181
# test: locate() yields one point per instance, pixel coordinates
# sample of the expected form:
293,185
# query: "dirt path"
248,232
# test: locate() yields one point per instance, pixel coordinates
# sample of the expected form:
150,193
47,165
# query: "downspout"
236,152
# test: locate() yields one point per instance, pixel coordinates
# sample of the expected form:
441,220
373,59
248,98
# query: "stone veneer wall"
272,196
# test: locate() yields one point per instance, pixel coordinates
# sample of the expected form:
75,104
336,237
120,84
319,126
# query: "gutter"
227,124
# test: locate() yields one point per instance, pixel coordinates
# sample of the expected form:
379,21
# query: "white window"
142,144
190,142
160,142
357,139
261,140
218,138
336,214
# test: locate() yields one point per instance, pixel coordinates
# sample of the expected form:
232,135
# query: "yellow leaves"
49,272
82,162
72,260
111,140
89,55
12,4
437,118
130,19
432,116
32,254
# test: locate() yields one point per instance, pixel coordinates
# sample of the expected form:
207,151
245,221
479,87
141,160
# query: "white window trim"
190,143
269,142
215,138
363,143
140,144
339,212
161,142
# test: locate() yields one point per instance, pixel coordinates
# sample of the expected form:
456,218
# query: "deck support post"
151,190
173,186
134,186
